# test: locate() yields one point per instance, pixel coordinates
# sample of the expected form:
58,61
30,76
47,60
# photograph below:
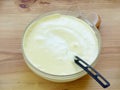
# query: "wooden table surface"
14,73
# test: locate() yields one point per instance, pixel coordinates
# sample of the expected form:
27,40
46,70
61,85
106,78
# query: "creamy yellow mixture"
50,44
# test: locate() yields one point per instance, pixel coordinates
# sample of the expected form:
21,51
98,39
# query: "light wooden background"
15,75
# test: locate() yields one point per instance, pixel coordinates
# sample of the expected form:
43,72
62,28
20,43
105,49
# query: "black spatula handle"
92,72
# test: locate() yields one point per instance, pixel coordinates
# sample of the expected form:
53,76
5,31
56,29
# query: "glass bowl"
62,78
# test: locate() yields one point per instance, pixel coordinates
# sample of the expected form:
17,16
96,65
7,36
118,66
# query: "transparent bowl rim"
72,13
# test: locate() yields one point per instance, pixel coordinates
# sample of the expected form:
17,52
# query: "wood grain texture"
14,73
